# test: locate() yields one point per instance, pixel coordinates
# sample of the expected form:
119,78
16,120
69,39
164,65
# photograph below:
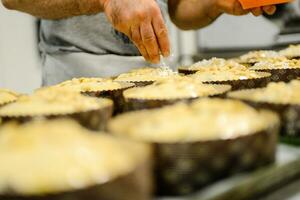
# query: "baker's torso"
91,34
86,46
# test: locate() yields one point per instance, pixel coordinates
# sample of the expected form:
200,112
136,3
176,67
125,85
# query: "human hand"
270,10
234,7
142,22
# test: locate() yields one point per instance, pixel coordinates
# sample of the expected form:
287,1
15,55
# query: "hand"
142,22
270,10
234,7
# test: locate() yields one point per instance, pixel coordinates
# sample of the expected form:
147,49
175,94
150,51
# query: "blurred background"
19,61
228,37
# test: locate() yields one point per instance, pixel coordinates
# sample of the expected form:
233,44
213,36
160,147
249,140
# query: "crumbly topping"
257,56
215,63
205,119
147,74
225,73
92,84
275,64
81,80
175,89
281,93
292,51
7,96
44,157
53,102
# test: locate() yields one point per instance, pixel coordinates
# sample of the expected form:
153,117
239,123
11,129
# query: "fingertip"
270,10
156,60
256,12
166,53
238,9
147,58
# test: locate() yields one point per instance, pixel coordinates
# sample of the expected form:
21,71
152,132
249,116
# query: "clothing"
65,66
86,46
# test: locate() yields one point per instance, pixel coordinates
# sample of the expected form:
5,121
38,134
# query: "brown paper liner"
186,71
289,116
293,57
5,103
183,168
285,75
140,104
142,83
115,95
133,104
249,64
135,186
246,84
91,119
137,83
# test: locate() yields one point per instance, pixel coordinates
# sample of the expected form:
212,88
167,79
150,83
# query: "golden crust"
53,102
92,84
175,89
146,74
293,51
279,93
205,119
276,64
7,96
214,63
55,156
257,56
224,71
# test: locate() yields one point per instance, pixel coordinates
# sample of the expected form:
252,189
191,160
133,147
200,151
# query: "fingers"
143,23
137,40
161,33
238,9
270,10
232,7
144,38
150,42
256,11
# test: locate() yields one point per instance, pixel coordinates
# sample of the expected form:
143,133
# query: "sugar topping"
175,89
281,93
205,119
53,102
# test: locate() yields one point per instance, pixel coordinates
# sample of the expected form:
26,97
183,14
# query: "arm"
140,20
192,14
55,9
195,14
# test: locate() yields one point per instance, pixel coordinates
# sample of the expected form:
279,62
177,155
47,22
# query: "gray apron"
58,68
86,46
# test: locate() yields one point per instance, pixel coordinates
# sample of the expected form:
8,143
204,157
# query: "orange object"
258,3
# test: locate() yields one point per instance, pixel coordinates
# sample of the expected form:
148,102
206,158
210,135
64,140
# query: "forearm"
55,9
193,14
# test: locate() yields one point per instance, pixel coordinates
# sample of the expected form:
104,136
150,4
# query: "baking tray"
253,184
